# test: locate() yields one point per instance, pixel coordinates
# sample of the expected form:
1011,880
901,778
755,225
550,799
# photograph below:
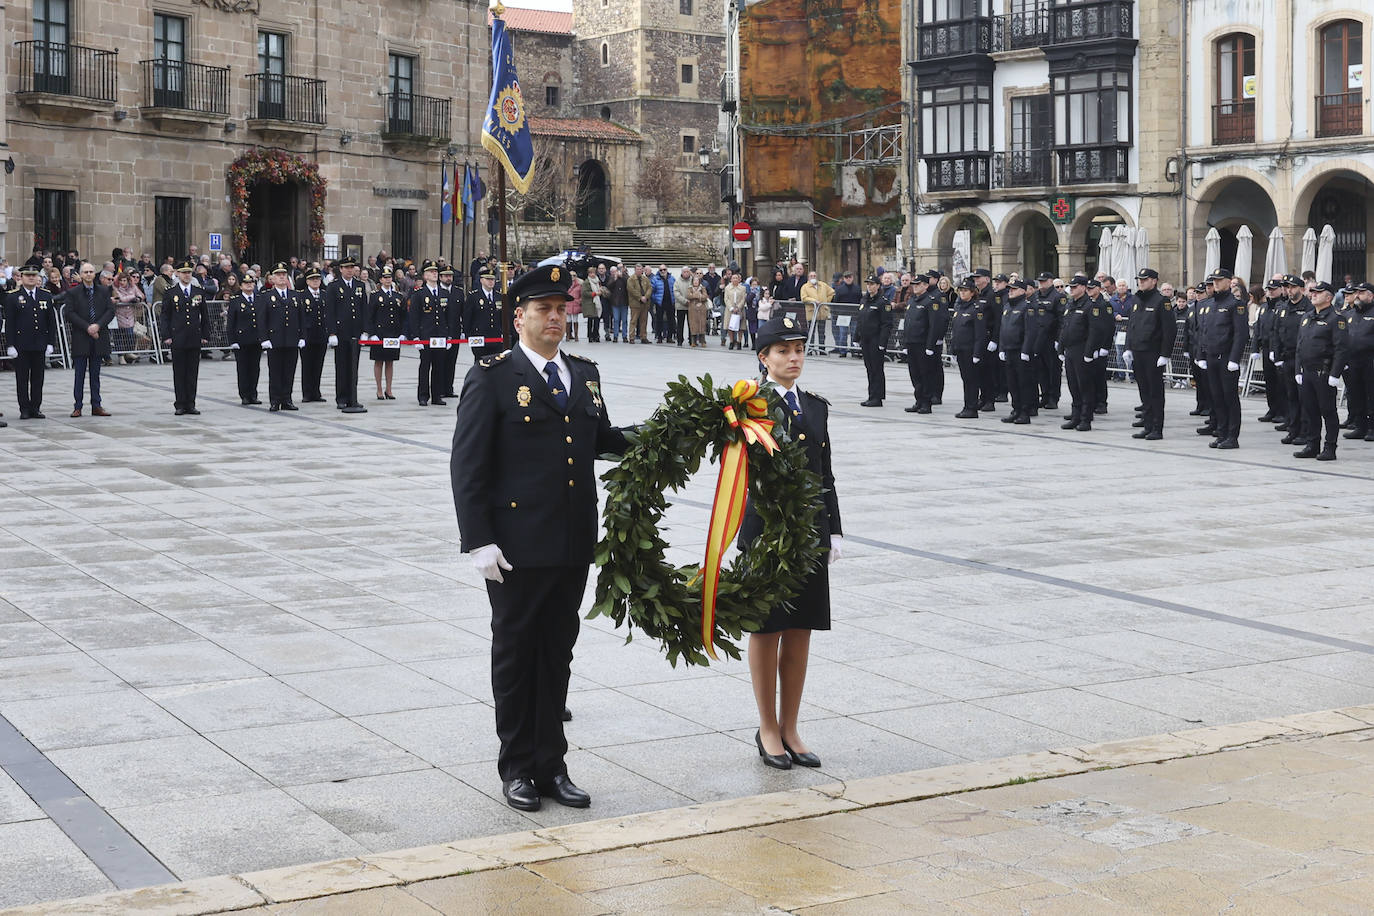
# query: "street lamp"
704,157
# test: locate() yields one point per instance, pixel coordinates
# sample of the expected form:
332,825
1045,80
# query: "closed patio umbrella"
1309,250
1326,243
1213,250
1245,240
1142,248
1104,251
1123,255
1275,259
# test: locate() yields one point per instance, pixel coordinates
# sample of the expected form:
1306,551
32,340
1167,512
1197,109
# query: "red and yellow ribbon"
748,415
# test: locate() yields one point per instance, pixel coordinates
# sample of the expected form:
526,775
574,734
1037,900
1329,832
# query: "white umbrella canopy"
1275,259
1245,247
1142,248
1213,250
1104,251
1326,244
1309,250
1123,255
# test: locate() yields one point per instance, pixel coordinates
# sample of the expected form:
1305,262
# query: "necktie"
90,301
560,396
792,405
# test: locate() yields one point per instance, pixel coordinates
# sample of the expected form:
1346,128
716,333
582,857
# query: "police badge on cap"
777,330
549,280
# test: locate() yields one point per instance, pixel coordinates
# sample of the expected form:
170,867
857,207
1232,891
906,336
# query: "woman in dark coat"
778,651
386,317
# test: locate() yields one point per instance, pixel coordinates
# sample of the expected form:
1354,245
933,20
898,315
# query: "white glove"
1088,359
1102,353
1002,357
1333,381
1128,357
47,351
419,346
1061,357
447,345
930,353
267,344
1278,362
1162,362
1298,378
1202,364
489,561
300,343
1025,357
11,352
1056,346
976,360
1233,367
1187,355
1271,359
992,346
333,340
836,548
233,346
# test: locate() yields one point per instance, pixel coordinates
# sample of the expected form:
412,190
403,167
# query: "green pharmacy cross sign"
1062,209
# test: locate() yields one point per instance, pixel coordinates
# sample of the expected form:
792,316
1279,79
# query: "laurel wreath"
638,588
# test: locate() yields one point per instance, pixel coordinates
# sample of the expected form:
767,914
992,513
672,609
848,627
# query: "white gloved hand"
1333,381
447,345
1088,359
47,351
333,340
1162,362
11,352
1056,346
267,344
300,343
1278,362
1233,367
1025,357
1187,355
1128,357
419,346
233,346
992,346
489,561
1271,358
1298,378
976,360
836,548
930,353
1002,356
1202,364
1061,357
1102,353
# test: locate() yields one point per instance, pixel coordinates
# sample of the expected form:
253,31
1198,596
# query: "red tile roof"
582,129
550,22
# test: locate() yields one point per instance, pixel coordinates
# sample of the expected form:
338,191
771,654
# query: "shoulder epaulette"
581,359
817,397
487,362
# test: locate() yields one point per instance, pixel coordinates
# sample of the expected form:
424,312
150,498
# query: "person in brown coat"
697,308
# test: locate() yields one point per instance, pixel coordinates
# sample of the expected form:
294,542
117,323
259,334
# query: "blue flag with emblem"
506,131
465,195
445,208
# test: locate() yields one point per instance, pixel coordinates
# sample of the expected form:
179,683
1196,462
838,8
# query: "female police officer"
779,650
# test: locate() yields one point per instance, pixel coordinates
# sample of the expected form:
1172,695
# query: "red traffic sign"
741,231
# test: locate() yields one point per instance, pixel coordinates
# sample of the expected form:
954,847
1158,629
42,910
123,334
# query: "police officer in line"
427,321
1225,329
386,317
969,344
346,301
531,422
1024,330
30,336
453,327
243,327
997,373
1080,337
916,341
315,325
1262,337
482,317
874,329
1359,375
1102,315
1192,340
1322,349
185,320
989,306
1288,323
1151,329
282,337
941,313
1049,370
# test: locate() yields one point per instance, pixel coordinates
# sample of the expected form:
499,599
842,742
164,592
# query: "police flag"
506,131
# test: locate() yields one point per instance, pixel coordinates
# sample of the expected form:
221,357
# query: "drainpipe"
1183,178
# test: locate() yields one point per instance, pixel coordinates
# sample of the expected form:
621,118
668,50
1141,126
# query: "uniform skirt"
382,354
810,610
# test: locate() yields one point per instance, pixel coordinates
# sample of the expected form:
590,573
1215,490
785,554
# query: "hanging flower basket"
275,167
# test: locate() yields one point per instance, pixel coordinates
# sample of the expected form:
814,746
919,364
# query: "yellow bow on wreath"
748,416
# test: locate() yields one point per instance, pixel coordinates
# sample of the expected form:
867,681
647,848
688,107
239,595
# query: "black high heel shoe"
807,759
777,761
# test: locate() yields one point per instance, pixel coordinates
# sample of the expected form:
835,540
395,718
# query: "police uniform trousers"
934,366
989,379
1050,372
29,367
185,376
1021,386
1149,381
1204,393
312,367
1359,390
281,374
346,356
534,626
1099,375
1319,405
1275,394
433,364
1082,384
450,370
248,368
1225,390
874,358
1293,393
916,370
971,375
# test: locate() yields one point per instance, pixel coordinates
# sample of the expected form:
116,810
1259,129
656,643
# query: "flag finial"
499,9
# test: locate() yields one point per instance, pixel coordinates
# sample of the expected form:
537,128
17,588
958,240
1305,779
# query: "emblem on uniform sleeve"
522,396
595,389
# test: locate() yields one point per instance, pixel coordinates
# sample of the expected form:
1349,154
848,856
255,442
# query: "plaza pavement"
245,640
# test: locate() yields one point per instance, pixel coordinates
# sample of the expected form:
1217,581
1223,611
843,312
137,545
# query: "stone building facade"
123,120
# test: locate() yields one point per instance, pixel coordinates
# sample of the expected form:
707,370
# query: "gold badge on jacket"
522,396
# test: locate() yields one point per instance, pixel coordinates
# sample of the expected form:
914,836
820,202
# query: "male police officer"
1022,329
915,339
969,344
1265,335
482,318
1359,376
1080,337
531,423
30,335
1225,329
1150,334
1287,325
1322,342
875,327
346,300
282,337
315,325
425,320
185,323
1050,370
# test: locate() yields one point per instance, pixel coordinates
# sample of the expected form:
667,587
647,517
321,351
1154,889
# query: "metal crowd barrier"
140,340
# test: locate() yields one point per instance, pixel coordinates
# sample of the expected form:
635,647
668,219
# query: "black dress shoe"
1281,426
1327,454
521,794
776,761
1154,436
937,401
1196,412
1022,420
181,411
1138,424
439,402
1289,439
871,403
38,415
1266,418
255,401
245,402
1206,431
424,403
806,759
356,408
924,408
1356,433
1069,424
1052,405
567,714
193,412
1229,443
1140,435
1085,427
289,406
1100,411
914,408
1010,418
988,407
1308,452
1214,443
966,414
562,790
25,415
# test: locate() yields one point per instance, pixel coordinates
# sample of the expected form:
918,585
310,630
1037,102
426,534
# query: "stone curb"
302,882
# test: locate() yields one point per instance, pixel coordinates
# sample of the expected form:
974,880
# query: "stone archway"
981,238
1344,200
1093,217
1030,242
1228,204
593,195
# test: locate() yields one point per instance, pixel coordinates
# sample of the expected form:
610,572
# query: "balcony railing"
727,92
954,37
727,185
1340,114
277,97
1023,168
1233,121
409,115
1093,164
185,87
1021,29
1092,21
957,173
71,70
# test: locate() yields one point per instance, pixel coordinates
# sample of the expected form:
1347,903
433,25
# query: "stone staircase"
630,248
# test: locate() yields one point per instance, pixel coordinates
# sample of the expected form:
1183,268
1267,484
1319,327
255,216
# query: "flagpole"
442,192
453,212
506,309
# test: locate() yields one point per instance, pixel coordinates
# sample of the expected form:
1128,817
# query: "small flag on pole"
465,194
446,210
506,131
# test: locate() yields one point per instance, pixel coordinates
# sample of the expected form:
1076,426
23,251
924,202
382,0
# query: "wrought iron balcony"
968,172
1021,29
728,102
1106,164
182,86
954,37
416,117
1233,121
727,185
1340,114
1023,168
55,68
291,99
1096,21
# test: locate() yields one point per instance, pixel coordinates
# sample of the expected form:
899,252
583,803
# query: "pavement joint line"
99,837
400,868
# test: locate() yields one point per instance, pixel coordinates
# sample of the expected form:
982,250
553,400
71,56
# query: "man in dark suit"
426,320
346,302
315,330
30,335
282,337
88,310
185,322
531,423
482,317
453,327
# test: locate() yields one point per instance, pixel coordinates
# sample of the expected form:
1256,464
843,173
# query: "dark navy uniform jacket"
1152,326
425,315
1287,322
875,320
279,316
1024,326
314,316
28,325
523,470
1224,328
1078,331
242,321
1323,342
185,319
970,327
482,316
812,430
346,308
386,313
1361,321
